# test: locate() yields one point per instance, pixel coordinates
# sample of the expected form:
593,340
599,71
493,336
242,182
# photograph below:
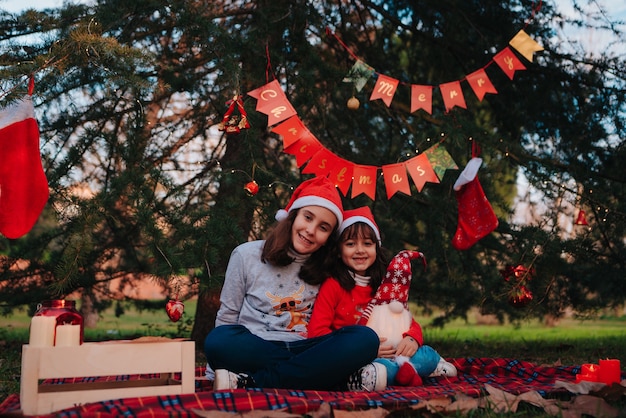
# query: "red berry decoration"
174,309
251,188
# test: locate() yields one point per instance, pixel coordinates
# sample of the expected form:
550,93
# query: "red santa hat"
396,283
362,214
318,191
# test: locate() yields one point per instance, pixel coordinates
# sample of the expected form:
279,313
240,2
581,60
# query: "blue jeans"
320,363
424,360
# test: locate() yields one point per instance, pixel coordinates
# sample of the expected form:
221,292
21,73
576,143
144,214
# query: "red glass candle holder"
609,371
56,323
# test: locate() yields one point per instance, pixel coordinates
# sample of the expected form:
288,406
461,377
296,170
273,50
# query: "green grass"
570,342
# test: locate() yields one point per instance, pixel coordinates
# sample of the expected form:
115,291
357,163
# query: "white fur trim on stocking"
469,173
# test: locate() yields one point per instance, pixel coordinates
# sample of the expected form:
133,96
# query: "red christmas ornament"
174,309
520,297
517,273
519,276
581,219
251,188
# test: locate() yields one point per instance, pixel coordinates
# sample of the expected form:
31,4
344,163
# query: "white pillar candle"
68,335
42,331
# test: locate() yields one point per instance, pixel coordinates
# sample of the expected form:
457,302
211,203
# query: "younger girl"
266,301
343,298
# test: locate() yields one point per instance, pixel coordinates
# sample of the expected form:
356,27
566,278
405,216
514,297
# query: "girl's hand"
407,347
385,351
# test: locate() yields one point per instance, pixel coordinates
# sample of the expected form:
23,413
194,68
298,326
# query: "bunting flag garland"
313,158
421,95
428,167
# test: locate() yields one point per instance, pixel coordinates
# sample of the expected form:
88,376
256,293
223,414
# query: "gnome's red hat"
396,283
362,214
318,191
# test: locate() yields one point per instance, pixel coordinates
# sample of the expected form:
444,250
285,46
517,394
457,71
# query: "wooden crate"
112,358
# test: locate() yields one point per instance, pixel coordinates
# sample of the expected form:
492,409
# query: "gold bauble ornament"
353,103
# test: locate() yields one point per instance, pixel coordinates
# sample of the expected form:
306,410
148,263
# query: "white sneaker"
226,380
444,368
369,378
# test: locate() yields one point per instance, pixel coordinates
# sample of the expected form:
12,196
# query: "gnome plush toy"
388,313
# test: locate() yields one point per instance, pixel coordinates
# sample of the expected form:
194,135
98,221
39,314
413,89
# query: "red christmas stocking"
23,183
476,217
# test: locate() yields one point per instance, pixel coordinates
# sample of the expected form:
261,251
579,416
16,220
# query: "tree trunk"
88,310
206,311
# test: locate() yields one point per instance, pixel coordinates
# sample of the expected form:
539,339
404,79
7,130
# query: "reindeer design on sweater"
290,304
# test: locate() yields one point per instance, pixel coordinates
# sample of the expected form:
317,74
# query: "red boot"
407,376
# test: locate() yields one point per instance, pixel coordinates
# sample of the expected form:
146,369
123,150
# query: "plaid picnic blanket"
509,375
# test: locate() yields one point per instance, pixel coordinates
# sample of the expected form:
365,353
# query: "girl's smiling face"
311,228
358,253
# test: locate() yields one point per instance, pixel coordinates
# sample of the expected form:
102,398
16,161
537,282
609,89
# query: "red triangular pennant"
422,98
303,149
384,89
364,180
291,130
421,171
320,163
396,179
271,100
452,95
480,83
341,174
508,62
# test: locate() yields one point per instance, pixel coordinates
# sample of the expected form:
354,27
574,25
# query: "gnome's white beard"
390,321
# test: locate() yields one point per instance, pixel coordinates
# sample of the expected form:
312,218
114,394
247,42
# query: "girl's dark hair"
278,243
376,271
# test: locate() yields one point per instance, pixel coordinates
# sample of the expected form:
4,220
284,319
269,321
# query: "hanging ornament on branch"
232,124
353,103
518,276
251,187
175,307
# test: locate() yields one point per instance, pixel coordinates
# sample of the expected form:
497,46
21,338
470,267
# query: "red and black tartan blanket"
509,375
